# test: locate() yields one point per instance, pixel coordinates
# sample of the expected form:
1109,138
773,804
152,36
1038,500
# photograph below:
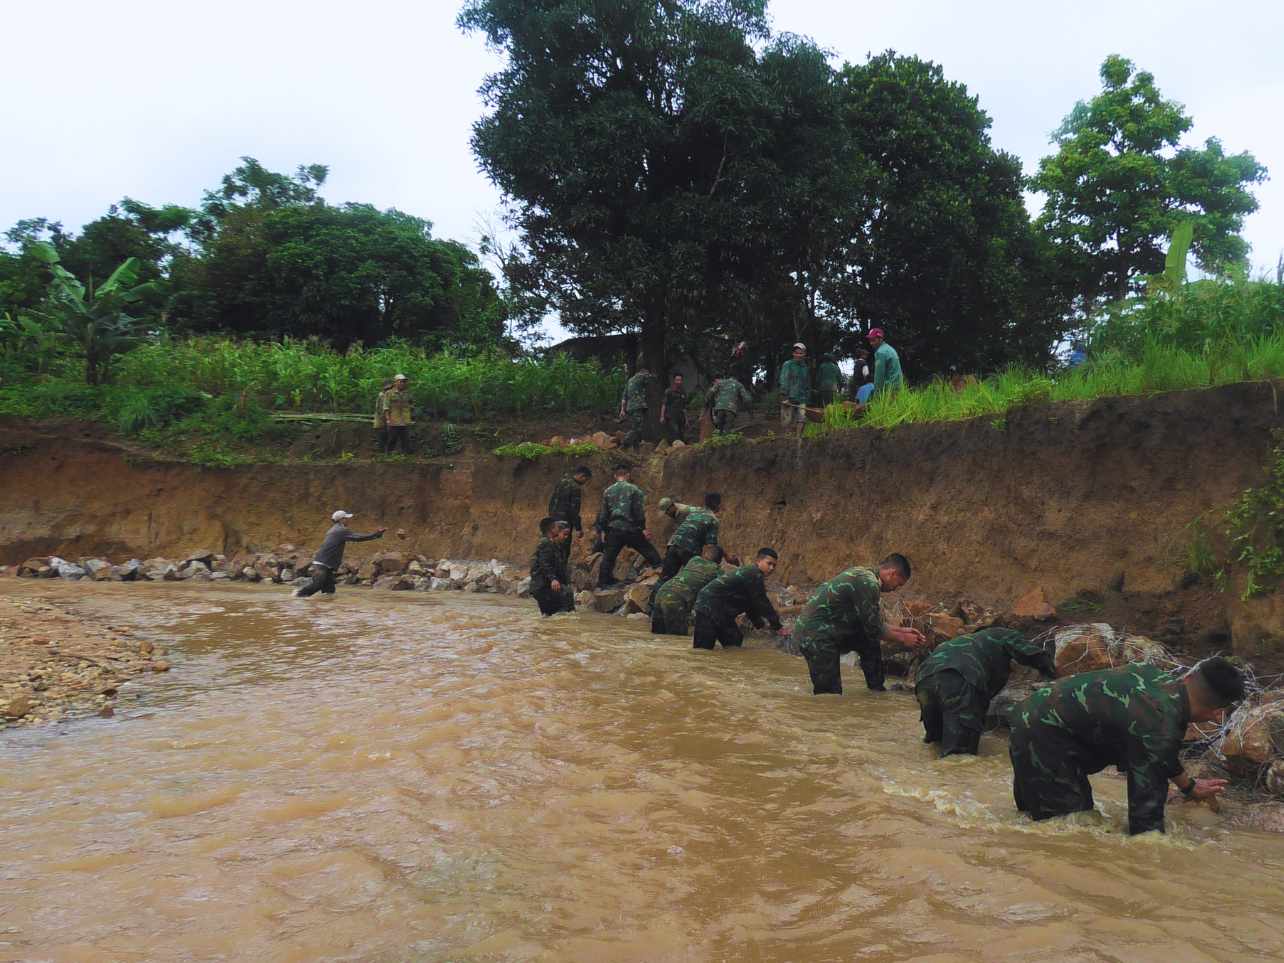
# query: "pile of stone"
601,439
283,566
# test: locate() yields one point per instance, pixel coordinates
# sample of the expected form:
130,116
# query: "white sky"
157,100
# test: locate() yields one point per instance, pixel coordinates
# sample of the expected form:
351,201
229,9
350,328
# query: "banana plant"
96,319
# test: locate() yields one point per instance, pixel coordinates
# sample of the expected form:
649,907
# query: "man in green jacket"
671,608
887,363
957,682
742,590
564,504
795,388
634,406
829,380
550,583
698,529
622,521
726,397
843,615
1133,718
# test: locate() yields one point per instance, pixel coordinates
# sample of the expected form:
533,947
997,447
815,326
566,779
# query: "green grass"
530,450
1160,367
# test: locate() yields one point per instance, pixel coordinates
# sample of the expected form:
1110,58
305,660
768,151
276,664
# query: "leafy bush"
530,450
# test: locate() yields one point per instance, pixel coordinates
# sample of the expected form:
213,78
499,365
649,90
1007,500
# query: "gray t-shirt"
330,554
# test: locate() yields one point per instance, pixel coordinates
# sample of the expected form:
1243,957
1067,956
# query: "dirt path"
54,663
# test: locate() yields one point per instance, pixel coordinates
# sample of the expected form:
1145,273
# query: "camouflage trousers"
952,711
724,421
669,616
550,602
822,653
1048,778
637,425
714,627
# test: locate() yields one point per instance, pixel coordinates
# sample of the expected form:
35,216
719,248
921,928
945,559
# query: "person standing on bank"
634,406
393,411
564,505
330,555
741,590
726,398
550,583
622,521
829,380
1134,718
887,364
795,388
843,615
673,411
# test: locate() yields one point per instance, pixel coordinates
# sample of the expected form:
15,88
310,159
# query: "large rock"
158,569
1254,738
1093,646
607,600
126,571
522,589
943,627
39,567
202,555
398,583
97,569
638,597
1034,604
70,571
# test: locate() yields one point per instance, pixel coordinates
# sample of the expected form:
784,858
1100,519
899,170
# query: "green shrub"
530,451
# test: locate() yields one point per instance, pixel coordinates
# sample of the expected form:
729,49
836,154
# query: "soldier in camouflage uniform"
673,411
843,615
634,406
959,679
742,590
550,586
1133,718
622,521
671,607
393,416
564,504
698,529
726,396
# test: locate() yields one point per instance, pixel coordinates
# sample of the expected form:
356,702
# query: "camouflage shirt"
392,410
741,590
698,529
623,508
728,394
675,403
845,606
795,382
984,658
1133,717
678,594
547,564
565,502
635,392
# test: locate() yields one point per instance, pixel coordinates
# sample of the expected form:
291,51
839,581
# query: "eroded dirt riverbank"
389,776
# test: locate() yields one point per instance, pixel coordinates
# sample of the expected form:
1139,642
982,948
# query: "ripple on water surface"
387,777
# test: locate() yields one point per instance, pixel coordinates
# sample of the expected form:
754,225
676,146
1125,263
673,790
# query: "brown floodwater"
406,776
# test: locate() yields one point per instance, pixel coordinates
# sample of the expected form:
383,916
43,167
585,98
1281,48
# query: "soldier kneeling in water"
550,584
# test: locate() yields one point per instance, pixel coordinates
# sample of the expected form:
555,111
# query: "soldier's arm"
763,606
639,509
1032,654
354,537
1152,758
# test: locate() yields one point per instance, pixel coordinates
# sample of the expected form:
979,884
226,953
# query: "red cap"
874,333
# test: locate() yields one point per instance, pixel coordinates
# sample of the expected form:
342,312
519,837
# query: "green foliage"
531,451
1120,183
721,441
309,376
1255,528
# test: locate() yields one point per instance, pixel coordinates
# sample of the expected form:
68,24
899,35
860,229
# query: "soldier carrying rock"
957,682
673,601
1133,718
741,590
330,555
622,521
843,615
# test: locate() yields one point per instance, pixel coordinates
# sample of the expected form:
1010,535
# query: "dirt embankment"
1090,501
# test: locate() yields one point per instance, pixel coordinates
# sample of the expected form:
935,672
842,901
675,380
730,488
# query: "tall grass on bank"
306,376
1160,367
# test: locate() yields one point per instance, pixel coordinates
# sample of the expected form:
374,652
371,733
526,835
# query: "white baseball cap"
799,344
340,515
399,377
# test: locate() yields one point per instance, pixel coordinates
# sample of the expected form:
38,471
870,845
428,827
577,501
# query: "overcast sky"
157,100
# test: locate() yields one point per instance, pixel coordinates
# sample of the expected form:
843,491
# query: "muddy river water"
407,776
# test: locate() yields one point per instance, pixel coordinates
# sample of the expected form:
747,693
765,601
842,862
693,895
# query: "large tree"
615,129
1120,182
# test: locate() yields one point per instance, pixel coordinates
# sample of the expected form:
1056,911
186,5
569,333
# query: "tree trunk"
653,344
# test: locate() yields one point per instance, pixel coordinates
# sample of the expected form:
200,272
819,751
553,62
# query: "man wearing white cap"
330,555
392,414
795,388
